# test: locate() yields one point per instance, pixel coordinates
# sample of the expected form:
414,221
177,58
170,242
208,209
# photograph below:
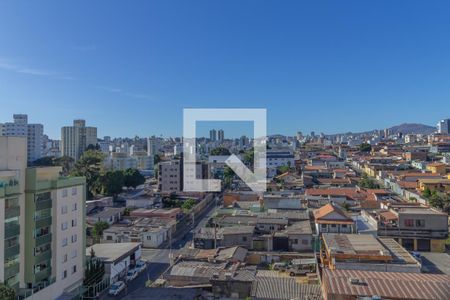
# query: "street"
158,259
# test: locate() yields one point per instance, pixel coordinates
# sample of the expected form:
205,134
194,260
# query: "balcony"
12,251
44,222
43,204
47,255
12,230
12,270
43,275
12,189
44,239
12,212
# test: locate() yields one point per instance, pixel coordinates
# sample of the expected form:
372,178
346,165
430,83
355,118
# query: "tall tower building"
75,139
443,127
33,132
213,135
221,135
42,237
153,146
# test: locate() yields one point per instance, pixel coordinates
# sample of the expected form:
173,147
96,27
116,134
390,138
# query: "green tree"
46,161
426,192
156,159
188,205
220,151
228,175
99,227
439,200
365,147
249,157
133,178
90,165
66,162
282,169
111,183
6,292
368,183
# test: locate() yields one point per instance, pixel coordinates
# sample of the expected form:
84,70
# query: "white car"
132,274
141,265
116,288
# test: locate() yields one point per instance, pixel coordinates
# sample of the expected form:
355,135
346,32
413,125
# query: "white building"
33,132
43,230
443,127
75,139
153,146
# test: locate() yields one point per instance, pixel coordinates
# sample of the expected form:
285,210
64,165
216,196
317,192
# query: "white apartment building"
153,146
75,139
443,126
122,161
42,240
33,132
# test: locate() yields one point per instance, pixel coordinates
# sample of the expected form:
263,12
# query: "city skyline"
315,67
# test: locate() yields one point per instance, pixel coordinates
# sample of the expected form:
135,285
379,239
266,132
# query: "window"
64,193
420,223
64,242
244,238
74,269
64,226
333,225
74,222
74,238
74,191
64,258
74,207
324,226
305,242
344,225
74,253
409,223
295,241
149,238
64,209
64,274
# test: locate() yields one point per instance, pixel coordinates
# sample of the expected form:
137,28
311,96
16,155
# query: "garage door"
423,245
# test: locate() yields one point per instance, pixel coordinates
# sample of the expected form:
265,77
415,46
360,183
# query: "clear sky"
130,67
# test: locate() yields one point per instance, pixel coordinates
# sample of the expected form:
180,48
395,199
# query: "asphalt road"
158,259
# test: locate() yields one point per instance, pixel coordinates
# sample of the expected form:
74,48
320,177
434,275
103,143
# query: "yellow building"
439,168
440,185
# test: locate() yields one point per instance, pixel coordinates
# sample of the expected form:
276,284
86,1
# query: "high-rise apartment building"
75,139
213,135
443,127
221,135
33,132
153,146
42,238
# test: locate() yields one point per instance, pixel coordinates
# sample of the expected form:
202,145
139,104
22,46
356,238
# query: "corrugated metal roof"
284,288
387,284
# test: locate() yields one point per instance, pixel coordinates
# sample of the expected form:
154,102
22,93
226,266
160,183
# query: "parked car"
279,266
132,274
301,266
116,288
141,265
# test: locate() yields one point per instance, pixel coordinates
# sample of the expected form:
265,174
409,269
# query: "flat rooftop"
356,244
112,252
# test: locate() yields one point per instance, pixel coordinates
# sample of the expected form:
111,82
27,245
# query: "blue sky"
130,67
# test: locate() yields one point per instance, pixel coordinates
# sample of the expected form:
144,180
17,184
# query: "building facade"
33,132
43,238
75,139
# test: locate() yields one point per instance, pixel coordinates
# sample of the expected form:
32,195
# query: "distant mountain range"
416,128
405,128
